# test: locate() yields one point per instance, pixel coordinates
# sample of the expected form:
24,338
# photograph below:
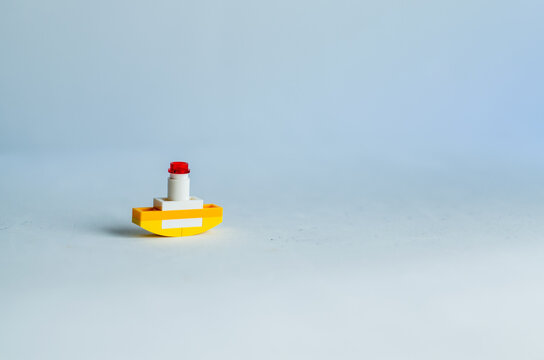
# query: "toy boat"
178,214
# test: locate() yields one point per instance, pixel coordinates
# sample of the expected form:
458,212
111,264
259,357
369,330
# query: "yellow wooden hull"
151,219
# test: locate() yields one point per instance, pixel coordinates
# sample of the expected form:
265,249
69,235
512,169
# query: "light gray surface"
418,261
379,162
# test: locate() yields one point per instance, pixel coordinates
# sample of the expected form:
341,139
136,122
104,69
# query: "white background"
379,164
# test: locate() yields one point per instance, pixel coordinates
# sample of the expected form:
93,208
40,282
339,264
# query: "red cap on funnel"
179,167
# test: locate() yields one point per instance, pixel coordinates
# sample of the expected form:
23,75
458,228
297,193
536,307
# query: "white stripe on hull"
181,223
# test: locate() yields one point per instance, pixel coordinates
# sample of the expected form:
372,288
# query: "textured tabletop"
379,166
